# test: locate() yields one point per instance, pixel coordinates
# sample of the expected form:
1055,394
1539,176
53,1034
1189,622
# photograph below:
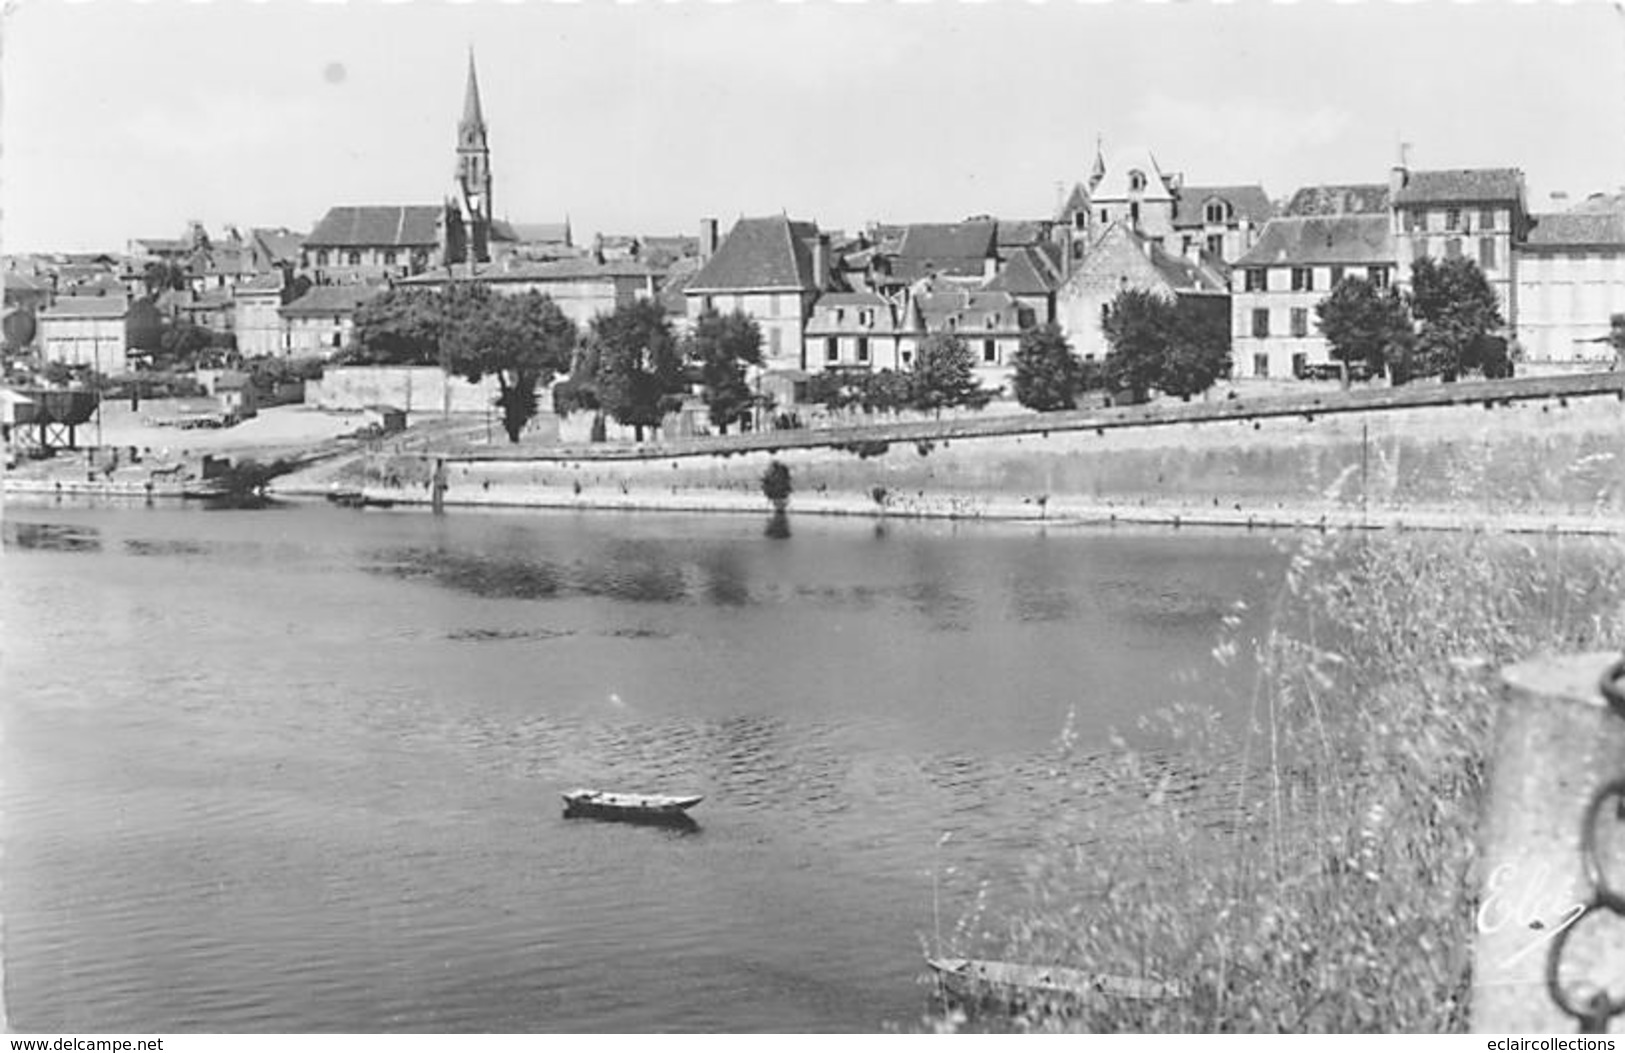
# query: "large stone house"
1123,258
319,324
1473,212
773,269
1570,283
85,331
1276,287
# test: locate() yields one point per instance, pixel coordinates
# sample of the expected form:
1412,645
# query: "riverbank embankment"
1533,455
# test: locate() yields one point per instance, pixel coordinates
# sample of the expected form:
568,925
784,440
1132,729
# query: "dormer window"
866,317
840,315
1136,181
992,321
1216,212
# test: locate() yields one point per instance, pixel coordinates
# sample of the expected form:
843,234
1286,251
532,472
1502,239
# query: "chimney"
1398,176
820,262
990,268
708,238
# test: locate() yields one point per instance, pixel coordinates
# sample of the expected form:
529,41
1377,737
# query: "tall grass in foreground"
1319,871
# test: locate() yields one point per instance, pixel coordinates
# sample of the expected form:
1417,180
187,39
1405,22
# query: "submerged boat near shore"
1015,984
629,807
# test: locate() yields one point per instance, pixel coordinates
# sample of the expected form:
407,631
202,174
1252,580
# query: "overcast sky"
122,120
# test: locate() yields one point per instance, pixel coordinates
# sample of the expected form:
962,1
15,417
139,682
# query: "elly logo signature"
1528,904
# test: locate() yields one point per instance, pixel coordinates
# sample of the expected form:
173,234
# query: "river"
298,769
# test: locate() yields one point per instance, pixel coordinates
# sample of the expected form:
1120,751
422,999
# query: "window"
863,349
990,352
338,340
866,317
1303,279
1105,314
1486,219
1104,217
1417,220
992,321
1216,212
774,340
1261,365
840,315
1261,324
1452,248
1452,219
1215,244
321,258
908,358
1080,220
354,258
1300,364
709,304
773,304
1378,276
953,321
1300,321
1257,279
389,257
1486,253
832,349
1337,274
1185,244
1134,214
1136,180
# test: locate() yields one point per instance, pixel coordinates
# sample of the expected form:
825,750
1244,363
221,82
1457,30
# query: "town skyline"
839,114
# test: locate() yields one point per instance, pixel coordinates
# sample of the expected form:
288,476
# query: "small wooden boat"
1014,983
629,807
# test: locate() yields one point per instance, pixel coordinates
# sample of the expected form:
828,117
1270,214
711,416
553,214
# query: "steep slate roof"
931,304
765,253
1114,185
1026,273
973,240
259,283
346,225
86,307
1338,200
678,276
1461,186
331,299
1187,275
1576,229
1306,240
1246,202
823,320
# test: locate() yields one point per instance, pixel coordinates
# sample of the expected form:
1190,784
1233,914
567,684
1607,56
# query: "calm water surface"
297,770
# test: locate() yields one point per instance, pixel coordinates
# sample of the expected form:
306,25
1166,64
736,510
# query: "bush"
776,485
1336,887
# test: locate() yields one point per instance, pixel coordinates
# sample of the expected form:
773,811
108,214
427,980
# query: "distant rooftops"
1464,186
389,225
1305,240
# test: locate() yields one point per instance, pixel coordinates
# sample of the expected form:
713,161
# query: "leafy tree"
887,391
403,327
1139,326
633,365
518,339
776,485
1177,346
1458,313
944,375
183,342
1048,375
722,346
161,275
19,330
144,327
1364,324
1200,351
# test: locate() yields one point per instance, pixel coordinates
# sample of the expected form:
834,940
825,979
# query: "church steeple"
471,130
473,176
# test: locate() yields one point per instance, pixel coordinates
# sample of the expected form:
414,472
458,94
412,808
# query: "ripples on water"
300,771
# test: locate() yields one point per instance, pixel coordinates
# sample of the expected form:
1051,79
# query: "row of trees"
1444,327
943,376
629,365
